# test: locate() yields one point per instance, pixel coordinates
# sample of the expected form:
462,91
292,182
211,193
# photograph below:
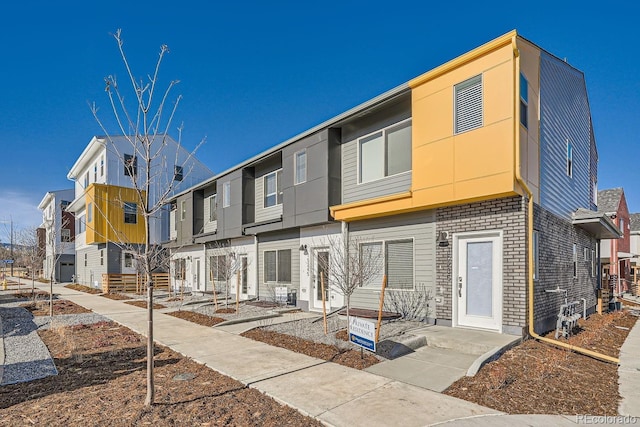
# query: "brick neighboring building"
616,254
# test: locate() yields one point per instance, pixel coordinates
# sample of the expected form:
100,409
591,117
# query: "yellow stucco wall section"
451,168
107,218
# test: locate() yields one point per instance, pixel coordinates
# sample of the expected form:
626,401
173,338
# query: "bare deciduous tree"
225,264
30,252
145,125
353,262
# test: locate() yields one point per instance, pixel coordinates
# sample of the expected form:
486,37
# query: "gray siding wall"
93,271
230,218
277,241
419,226
184,228
351,190
269,165
564,115
508,215
306,203
556,237
209,226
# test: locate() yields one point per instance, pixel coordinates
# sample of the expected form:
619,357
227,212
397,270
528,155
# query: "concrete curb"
490,356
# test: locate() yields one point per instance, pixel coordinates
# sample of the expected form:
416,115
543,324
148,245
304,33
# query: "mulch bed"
331,353
226,310
102,382
143,304
117,297
83,288
539,378
200,319
29,294
59,307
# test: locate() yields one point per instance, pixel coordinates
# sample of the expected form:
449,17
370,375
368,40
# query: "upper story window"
386,152
86,180
130,165
226,194
95,172
183,210
102,166
300,167
213,208
178,173
524,101
468,105
569,159
622,227
130,213
81,225
90,212
65,235
273,189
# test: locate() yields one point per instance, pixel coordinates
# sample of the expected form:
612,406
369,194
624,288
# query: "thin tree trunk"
150,350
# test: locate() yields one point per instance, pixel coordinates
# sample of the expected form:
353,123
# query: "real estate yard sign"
362,333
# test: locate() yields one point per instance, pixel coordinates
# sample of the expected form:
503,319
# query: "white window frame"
183,210
277,174
128,256
460,86
621,222
296,179
384,135
585,253
384,260
524,101
277,270
129,206
65,235
593,263
226,194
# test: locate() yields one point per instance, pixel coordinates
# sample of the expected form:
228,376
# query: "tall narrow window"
101,256
569,159
468,106
128,259
272,189
524,101
622,227
213,208
226,194
178,173
575,260
300,166
594,191
90,212
536,254
130,165
130,213
385,153
593,263
102,166
86,180
183,210
85,260
95,172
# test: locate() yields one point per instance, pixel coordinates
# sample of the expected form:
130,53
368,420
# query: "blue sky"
253,74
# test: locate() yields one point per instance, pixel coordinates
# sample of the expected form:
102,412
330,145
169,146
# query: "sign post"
362,333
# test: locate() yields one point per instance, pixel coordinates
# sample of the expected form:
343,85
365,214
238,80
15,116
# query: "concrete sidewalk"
333,394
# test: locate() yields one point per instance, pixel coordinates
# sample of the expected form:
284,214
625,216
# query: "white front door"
477,280
320,277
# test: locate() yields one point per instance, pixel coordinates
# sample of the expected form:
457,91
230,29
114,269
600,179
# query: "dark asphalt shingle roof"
608,200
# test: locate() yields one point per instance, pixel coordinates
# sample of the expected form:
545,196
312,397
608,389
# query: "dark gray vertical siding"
230,218
564,115
419,226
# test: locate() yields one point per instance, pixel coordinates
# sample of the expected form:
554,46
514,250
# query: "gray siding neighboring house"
93,262
276,242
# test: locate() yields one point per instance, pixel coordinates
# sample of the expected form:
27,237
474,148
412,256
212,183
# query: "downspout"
522,183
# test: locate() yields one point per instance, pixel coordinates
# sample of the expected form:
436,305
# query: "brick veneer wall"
506,214
556,237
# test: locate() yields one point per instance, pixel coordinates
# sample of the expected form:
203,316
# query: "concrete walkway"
333,394
629,370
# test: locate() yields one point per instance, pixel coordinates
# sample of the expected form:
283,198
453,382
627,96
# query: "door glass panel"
244,274
323,267
479,279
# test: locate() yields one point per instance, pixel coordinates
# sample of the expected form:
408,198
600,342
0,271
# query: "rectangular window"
101,256
213,208
569,159
244,271
385,153
575,260
226,194
371,264
102,166
95,172
128,260
183,210
594,191
177,173
179,268
81,225
524,101
130,213
586,254
273,189
300,166
593,263
399,264
65,235
468,106
85,260
536,254
621,223
218,268
277,266
130,165
90,212
86,180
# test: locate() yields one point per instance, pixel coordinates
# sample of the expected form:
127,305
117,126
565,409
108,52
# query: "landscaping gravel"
26,358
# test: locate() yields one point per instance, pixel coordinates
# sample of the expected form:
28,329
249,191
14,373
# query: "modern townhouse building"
616,254
475,181
108,221
58,236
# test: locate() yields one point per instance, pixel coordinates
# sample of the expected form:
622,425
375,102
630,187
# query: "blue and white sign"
7,261
362,333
